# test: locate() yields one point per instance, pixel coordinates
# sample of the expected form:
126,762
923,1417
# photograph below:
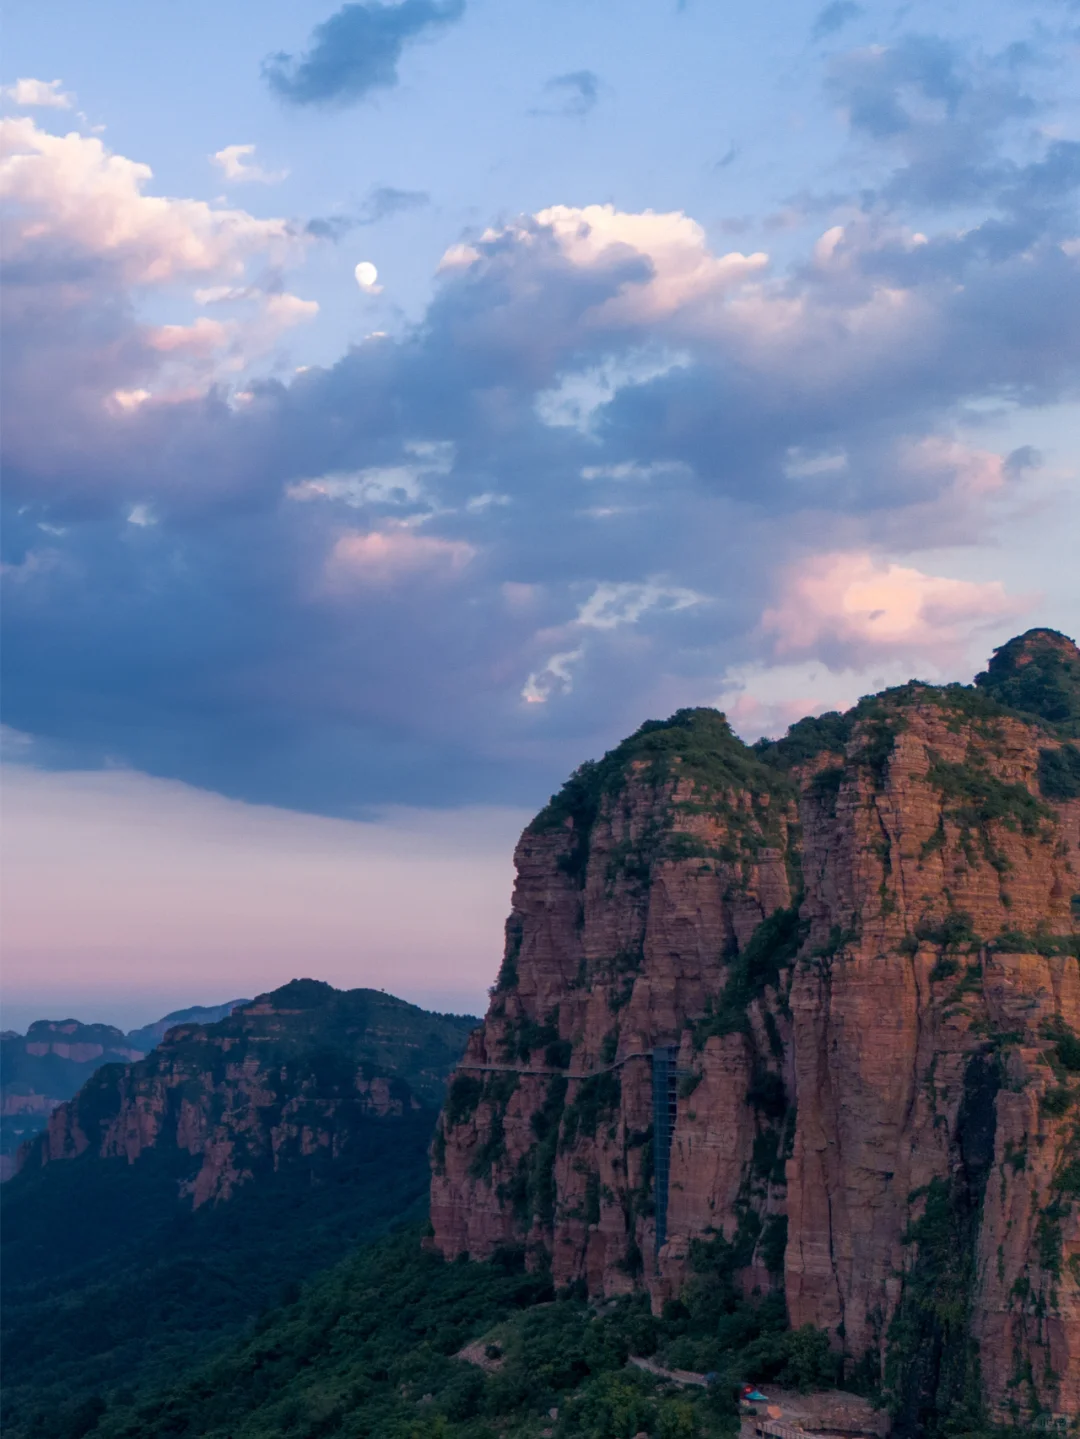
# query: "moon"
366,275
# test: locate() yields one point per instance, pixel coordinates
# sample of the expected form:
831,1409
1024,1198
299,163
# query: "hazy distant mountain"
144,1039
46,1065
54,1059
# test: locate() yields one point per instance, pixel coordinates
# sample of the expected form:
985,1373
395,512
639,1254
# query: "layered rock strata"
859,945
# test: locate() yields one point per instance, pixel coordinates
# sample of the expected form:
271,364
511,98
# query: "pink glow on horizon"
125,897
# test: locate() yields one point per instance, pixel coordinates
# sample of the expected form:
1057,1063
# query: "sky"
402,402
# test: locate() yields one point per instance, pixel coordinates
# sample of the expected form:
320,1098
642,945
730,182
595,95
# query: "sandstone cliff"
291,1078
810,1012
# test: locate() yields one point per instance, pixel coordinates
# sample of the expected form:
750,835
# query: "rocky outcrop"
855,953
45,1066
289,1079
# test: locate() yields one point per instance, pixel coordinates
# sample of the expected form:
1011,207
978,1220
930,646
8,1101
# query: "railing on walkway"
776,1430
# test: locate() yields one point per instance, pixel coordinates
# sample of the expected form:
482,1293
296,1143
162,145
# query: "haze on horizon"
403,402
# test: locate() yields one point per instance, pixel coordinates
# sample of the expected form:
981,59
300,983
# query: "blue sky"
715,356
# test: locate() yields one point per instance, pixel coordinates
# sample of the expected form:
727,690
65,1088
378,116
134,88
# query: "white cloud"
38,94
611,605
237,165
679,276
69,192
387,484
638,473
554,675
684,271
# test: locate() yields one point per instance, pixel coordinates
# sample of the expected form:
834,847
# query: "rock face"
46,1065
290,1078
810,1011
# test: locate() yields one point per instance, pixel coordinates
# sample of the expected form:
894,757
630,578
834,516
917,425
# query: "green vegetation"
531,1192
1059,772
137,1289
1016,941
465,1092
508,973
976,801
808,738
955,931
980,799
932,1379
1037,673
1056,1102
694,744
825,787
595,1097
771,948
368,1350
526,1036
110,1278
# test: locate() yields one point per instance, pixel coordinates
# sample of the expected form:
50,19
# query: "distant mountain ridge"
55,1058
152,1034
283,1077
177,1196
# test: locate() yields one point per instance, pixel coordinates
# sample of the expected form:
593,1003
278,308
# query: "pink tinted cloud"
70,191
863,607
381,557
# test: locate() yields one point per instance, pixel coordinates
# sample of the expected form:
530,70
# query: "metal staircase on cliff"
665,1103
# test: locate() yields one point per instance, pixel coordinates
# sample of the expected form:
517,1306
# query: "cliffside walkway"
665,1090
554,1069
677,1376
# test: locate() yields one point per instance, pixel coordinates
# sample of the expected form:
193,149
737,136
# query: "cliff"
177,1197
45,1066
54,1059
293,1077
807,1014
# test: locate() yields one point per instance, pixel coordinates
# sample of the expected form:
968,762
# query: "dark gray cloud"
575,93
834,17
356,51
944,113
380,203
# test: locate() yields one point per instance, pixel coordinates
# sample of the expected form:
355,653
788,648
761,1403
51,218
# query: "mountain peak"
1038,672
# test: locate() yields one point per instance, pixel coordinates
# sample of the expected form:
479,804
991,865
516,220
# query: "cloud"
574,94
952,118
834,17
43,94
646,267
858,606
73,201
465,554
356,51
380,203
237,165
382,556
609,607
82,240
383,201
